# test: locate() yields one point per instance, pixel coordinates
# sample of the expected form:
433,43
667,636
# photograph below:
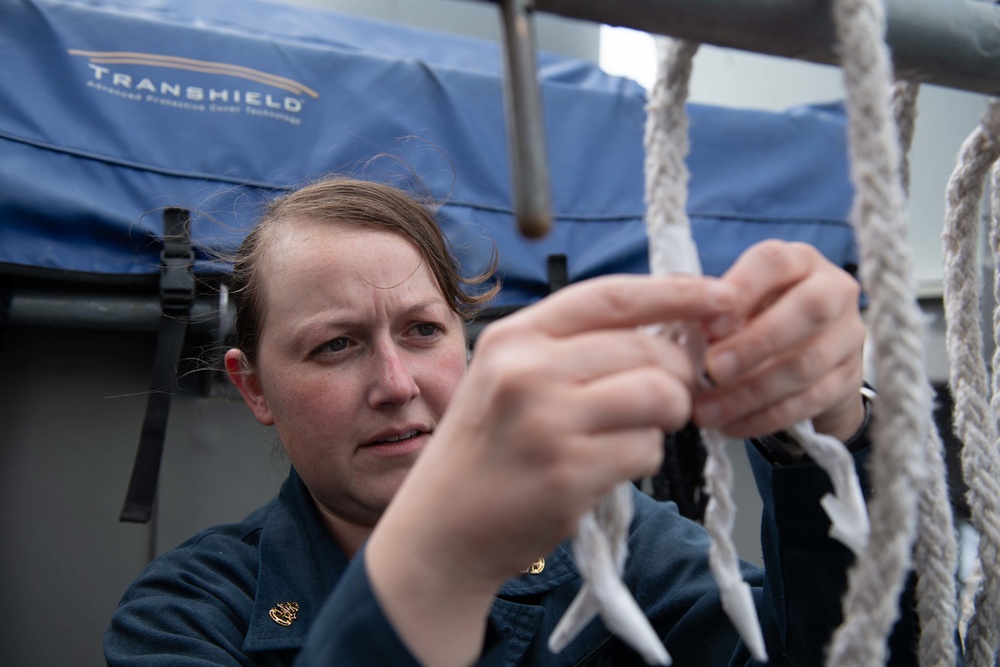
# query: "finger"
590,356
625,455
760,275
793,372
792,408
516,375
823,304
624,301
637,398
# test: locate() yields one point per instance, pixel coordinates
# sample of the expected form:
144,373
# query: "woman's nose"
393,383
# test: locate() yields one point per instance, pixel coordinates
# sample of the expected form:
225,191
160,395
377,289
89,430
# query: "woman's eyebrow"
321,324
429,304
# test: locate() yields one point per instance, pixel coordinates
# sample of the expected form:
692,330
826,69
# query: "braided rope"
904,111
876,579
672,250
985,511
935,555
666,142
935,559
600,548
903,414
974,419
967,603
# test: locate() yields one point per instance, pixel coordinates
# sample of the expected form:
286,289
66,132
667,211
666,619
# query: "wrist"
782,449
847,420
440,614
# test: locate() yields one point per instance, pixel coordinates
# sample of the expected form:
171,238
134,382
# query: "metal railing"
951,43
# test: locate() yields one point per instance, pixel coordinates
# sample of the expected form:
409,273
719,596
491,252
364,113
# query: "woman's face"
358,358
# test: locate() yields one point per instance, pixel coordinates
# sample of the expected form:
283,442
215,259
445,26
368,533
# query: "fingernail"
719,290
720,326
722,366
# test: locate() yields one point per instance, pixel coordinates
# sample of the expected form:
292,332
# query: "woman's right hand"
561,401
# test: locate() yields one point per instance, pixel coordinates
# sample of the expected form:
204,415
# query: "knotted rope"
900,424
974,418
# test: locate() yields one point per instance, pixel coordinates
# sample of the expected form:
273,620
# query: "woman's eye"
335,345
426,329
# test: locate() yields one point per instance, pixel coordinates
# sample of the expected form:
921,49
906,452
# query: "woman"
421,489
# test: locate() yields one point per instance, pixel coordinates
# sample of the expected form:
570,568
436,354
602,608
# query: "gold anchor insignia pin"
536,567
284,613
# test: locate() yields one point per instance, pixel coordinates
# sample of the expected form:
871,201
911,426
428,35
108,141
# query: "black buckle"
176,262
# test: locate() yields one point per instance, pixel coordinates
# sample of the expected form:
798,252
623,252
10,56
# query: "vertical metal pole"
525,125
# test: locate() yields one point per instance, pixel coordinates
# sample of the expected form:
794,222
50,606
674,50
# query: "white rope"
902,415
592,538
845,507
900,420
666,145
985,511
600,549
935,556
672,250
967,603
904,112
974,418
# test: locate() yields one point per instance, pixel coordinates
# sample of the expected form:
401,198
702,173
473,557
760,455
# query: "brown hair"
352,202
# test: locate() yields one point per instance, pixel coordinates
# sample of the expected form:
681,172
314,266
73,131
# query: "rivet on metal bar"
525,126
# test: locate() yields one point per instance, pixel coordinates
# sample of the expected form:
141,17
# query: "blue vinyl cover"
110,111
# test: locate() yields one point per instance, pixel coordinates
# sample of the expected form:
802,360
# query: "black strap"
558,272
5,299
176,297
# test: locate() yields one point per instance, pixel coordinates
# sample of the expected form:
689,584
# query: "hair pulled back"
356,203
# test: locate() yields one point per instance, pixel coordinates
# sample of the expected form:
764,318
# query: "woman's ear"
246,380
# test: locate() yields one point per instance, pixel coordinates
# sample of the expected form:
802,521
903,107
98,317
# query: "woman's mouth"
397,438
399,444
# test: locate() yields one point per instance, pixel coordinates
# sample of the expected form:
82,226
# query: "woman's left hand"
790,350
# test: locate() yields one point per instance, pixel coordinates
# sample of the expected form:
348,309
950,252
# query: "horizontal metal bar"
42,308
951,43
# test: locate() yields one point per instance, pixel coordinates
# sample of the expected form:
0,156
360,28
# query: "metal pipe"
951,43
71,310
525,126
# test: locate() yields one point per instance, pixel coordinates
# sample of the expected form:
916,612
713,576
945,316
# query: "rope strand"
600,548
901,413
974,419
904,111
672,250
935,556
